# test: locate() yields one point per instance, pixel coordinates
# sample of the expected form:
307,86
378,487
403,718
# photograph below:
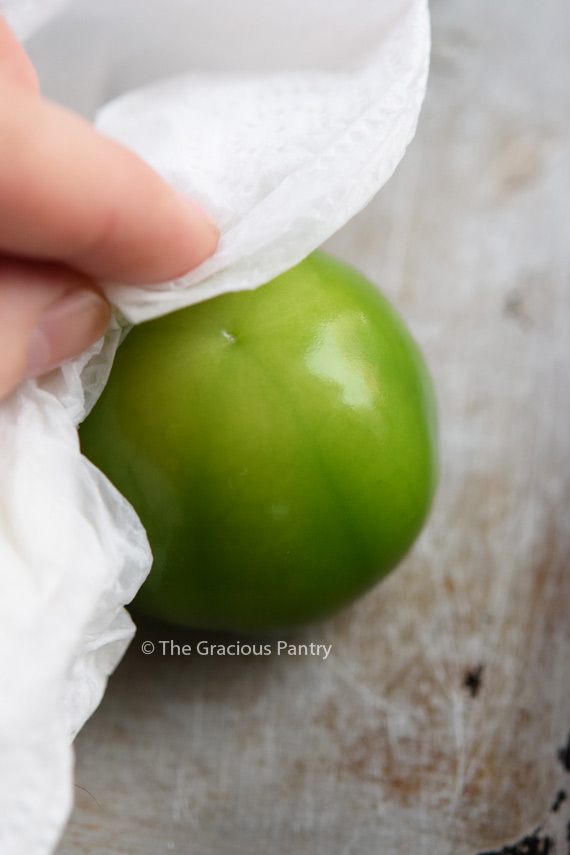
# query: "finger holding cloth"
76,208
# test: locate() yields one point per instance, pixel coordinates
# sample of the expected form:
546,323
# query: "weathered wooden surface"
389,745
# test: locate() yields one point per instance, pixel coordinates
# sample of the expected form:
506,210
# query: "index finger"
68,193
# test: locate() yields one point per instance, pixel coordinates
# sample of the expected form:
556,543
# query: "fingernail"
65,329
205,234
198,209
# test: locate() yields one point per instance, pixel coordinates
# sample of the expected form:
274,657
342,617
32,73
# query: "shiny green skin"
279,446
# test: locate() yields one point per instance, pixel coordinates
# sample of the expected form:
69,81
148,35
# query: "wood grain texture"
435,724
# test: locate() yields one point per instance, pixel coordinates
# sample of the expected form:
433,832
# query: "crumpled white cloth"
284,131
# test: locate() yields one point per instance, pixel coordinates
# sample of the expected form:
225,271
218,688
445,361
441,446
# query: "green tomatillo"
279,446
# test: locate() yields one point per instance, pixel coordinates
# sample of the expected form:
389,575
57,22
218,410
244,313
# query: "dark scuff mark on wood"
473,680
532,844
564,755
561,796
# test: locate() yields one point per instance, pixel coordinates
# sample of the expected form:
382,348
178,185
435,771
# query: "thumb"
48,313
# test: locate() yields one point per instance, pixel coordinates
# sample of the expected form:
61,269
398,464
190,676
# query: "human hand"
75,208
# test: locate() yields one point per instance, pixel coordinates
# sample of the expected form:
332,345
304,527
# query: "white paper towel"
284,139
25,16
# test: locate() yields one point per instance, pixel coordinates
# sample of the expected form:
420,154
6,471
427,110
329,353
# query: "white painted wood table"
436,723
